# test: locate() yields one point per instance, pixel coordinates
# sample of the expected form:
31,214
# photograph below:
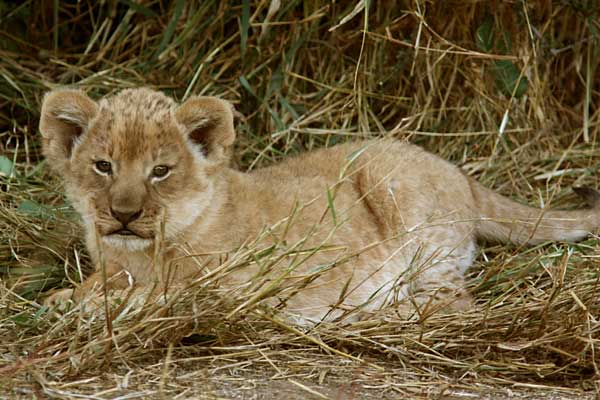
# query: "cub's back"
377,184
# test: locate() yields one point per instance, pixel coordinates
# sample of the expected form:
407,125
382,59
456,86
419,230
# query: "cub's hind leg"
436,276
428,214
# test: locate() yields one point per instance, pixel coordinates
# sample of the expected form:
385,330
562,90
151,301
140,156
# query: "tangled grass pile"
509,90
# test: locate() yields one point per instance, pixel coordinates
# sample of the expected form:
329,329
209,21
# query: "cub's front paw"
66,299
59,299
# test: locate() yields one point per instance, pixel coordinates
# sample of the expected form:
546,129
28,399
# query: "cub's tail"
502,219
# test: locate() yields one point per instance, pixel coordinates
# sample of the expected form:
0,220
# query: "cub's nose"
125,217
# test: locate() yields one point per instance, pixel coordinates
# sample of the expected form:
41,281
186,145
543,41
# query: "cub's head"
136,160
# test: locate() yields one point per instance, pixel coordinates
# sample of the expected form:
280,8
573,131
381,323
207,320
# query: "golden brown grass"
304,75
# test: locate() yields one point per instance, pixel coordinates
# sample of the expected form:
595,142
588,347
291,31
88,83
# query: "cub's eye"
160,171
103,167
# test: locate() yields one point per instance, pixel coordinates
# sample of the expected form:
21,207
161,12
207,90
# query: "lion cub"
389,220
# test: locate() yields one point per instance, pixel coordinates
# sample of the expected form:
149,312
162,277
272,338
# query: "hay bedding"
507,90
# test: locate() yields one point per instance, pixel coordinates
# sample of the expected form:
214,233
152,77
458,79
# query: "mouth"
124,232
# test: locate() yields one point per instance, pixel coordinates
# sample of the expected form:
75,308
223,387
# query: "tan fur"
405,223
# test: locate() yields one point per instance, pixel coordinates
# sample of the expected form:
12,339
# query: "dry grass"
306,75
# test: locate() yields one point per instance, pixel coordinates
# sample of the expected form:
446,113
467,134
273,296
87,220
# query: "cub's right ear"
65,115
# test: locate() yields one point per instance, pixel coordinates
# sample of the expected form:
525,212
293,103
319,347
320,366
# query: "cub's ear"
209,123
65,115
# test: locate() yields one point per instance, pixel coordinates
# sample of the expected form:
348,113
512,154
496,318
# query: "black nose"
125,217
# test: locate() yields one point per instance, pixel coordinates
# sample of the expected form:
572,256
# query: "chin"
129,243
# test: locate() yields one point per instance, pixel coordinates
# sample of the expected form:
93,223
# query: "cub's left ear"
209,123
65,116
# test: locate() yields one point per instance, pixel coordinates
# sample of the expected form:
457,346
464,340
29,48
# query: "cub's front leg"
116,278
